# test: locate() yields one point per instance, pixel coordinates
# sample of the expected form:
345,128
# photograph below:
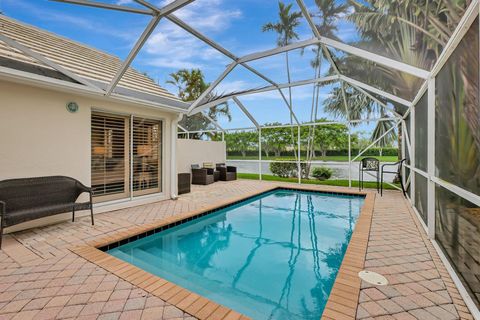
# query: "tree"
242,141
330,137
285,29
190,85
360,107
275,140
329,12
411,31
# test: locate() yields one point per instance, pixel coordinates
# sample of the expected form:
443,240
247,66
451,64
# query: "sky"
236,25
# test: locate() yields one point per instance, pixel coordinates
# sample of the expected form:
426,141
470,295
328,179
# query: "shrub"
283,169
322,173
287,169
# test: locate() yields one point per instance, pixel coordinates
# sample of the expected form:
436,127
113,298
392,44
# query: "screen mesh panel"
457,226
421,129
421,185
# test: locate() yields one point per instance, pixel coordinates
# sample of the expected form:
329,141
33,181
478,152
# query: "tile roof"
86,62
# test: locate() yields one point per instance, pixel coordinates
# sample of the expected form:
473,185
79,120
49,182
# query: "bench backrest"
25,193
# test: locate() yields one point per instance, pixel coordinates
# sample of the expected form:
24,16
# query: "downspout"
173,157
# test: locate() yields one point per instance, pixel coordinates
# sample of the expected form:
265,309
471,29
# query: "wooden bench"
27,199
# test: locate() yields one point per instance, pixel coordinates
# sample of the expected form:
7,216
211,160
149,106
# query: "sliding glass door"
126,156
147,156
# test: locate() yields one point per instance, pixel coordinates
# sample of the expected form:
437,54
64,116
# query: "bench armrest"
231,169
83,188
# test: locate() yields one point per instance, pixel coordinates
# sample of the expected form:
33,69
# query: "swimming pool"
273,256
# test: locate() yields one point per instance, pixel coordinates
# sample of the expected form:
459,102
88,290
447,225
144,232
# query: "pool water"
274,256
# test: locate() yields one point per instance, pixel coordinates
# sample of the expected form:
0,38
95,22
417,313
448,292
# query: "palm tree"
190,85
285,29
398,30
359,107
433,21
329,12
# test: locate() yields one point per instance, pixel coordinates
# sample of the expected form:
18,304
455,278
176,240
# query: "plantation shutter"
110,161
147,137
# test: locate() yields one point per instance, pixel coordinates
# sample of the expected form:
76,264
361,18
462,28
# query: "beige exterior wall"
39,137
197,152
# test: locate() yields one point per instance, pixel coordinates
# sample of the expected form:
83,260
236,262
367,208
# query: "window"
126,156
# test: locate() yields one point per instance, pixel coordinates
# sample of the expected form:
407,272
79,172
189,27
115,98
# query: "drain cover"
373,278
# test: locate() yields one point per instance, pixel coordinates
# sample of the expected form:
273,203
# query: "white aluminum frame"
408,142
48,62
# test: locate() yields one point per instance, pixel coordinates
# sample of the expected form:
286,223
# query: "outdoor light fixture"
72,107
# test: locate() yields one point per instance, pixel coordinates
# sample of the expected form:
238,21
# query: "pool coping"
342,302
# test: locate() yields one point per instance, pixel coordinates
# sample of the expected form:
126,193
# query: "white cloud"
62,18
172,47
234,86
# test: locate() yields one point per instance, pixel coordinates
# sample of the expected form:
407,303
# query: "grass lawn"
327,158
338,183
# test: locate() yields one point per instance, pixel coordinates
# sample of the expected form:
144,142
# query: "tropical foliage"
410,31
190,85
285,29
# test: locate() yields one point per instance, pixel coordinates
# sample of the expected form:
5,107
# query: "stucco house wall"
39,137
198,151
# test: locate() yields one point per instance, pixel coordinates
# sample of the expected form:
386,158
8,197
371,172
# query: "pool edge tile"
343,299
339,305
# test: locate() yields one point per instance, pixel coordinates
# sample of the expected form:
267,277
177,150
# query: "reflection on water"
273,257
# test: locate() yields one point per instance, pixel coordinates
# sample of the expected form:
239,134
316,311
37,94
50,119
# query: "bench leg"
91,209
2,217
73,214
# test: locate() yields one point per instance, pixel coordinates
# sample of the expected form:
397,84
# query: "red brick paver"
54,283
419,285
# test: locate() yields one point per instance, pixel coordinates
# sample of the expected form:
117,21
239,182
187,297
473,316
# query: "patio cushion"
209,165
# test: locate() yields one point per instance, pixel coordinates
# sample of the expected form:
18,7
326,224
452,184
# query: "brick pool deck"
40,278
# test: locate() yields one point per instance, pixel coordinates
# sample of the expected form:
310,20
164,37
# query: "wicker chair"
227,173
216,173
26,199
202,176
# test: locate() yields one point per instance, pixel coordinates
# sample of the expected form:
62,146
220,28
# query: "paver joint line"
62,281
